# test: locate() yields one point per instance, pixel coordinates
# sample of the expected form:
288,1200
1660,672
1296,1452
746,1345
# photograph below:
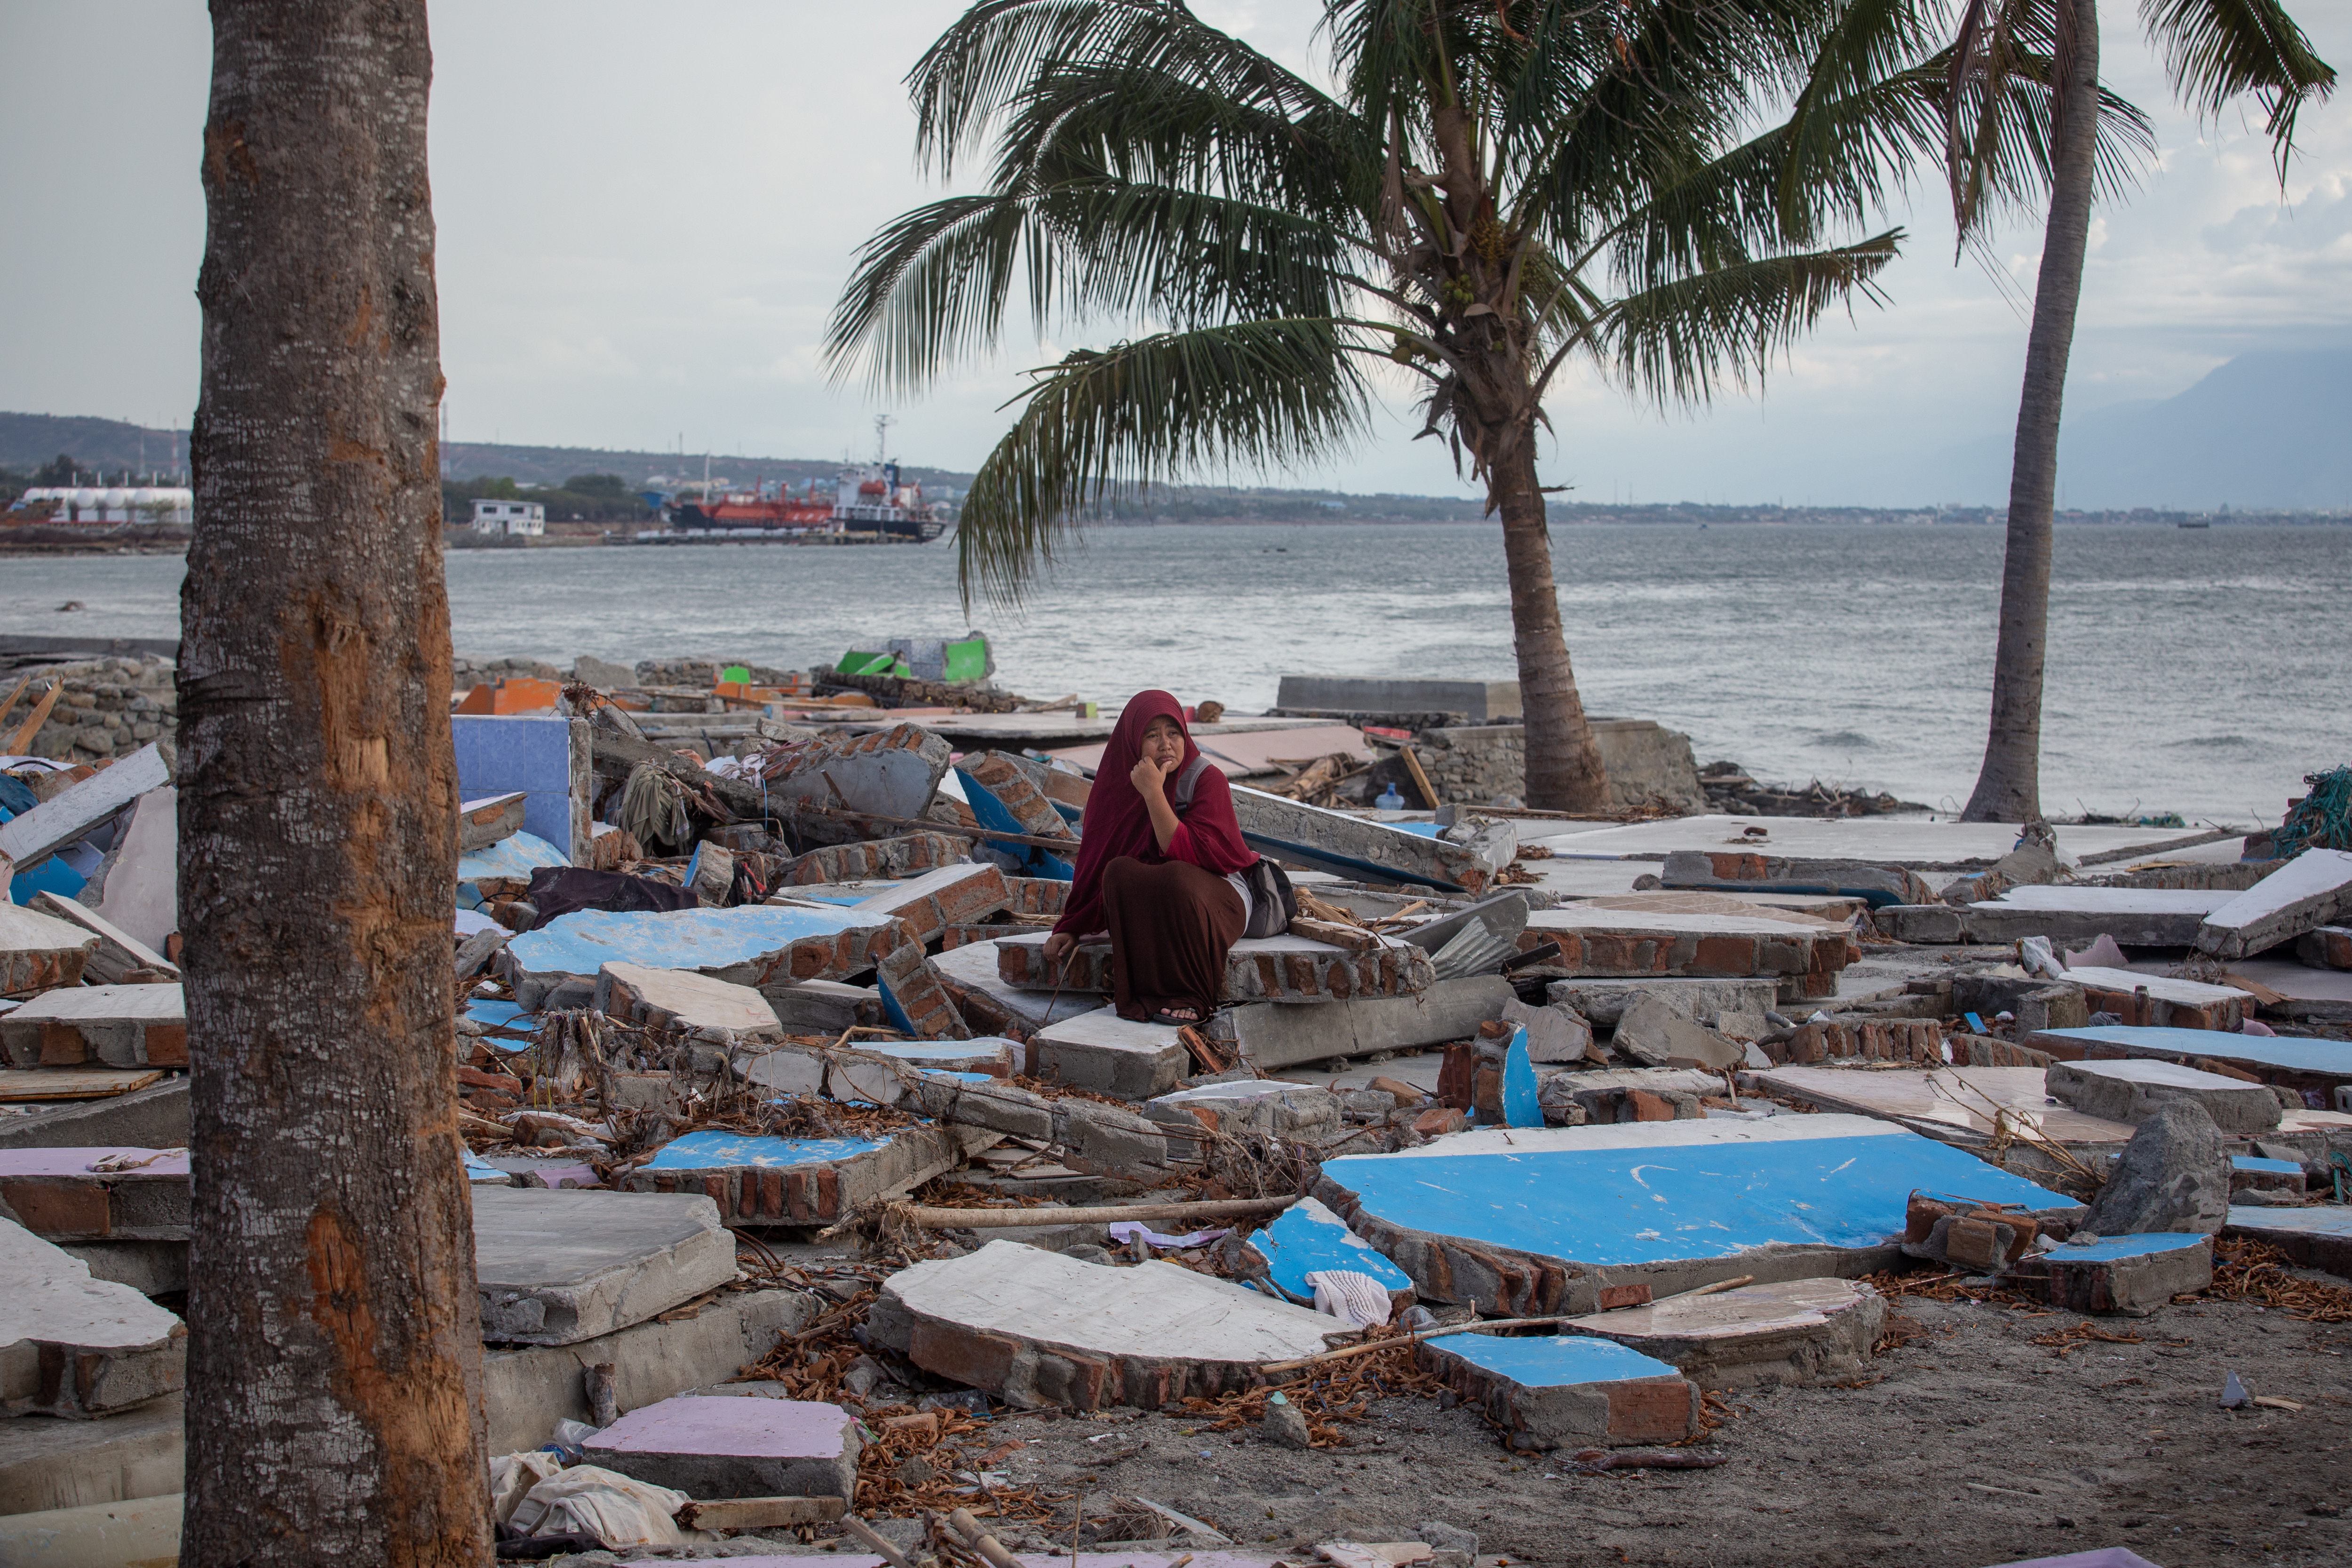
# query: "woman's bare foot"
1181,1016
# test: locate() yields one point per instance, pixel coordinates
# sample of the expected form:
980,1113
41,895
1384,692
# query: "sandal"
1178,1017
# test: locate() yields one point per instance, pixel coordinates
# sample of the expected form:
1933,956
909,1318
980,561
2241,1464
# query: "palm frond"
2215,49
1101,425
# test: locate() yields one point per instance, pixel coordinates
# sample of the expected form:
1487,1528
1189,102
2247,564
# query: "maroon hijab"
1118,823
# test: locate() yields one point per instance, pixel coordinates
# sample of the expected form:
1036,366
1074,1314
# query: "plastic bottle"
1390,799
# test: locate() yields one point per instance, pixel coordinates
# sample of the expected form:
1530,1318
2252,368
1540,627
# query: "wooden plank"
15,745
18,1085
1412,763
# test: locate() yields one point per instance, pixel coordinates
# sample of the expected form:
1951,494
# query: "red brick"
1657,1412
976,1359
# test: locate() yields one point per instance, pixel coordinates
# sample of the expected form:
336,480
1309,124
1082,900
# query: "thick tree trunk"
2009,787
1564,767
334,1366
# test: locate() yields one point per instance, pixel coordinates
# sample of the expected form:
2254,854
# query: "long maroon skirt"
1171,926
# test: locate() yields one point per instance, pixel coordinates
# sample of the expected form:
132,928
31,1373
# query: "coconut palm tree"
2214,50
1493,189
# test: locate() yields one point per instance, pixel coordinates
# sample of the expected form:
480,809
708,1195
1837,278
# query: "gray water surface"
2201,671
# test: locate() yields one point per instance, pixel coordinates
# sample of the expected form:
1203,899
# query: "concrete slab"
557,1268
2251,1172
2303,995
2313,890
2315,1237
525,1390
823,1007
1793,1331
1258,1105
547,759
1292,831
1257,969
1653,942
75,1346
1308,1238
1953,1104
915,997
759,1180
1274,1037
716,1447
2169,1002
32,837
110,1026
2285,1059
137,886
969,974
1111,1055
1479,701
483,821
907,854
753,944
1475,1217
681,1000
1734,870
39,951
929,903
1036,1328
118,952
892,773
2133,1092
64,1195
1605,1001
149,1268
506,866
153,1117
2135,916
2133,1275
1566,1390
1921,843
2326,947
139,1453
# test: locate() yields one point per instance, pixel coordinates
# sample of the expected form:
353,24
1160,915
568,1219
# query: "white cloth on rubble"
617,1509
513,1475
1357,1300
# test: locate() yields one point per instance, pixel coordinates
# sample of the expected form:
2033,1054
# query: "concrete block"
986,1001
1557,1034
914,998
34,836
1791,1332
149,1268
1630,1094
2133,1275
2326,947
136,888
1566,1391
75,1346
755,945
61,1194
2286,1060
1108,1053
138,1453
932,902
891,772
2311,890
2069,913
2160,1000
38,951
2319,1238
1605,1001
716,1448
1919,1040
1272,1036
546,758
113,1026
155,1117
681,1000
1352,846
1099,1140
997,1106
1479,701
1654,1034
1266,1106
118,952
1308,1238
1744,871
1631,943
556,1267
1036,1328
1258,969
759,1179
484,821
2132,1091
1671,1204
823,1007
2250,1172
907,854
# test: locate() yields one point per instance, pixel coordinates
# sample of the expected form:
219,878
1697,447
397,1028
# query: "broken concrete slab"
1308,1238
1671,1204
1921,845
754,944
932,902
2313,890
97,1194
139,1453
1605,1001
1566,1390
716,1447
823,1007
2173,1175
484,821
39,952
1258,969
2315,1237
1557,1034
759,1179
2133,1090
2133,1275
914,997
547,759
1036,1328
525,1390
908,855
890,773
118,952
1653,1033
2326,947
75,1346
1267,1106
1952,1104
506,867
34,836
1479,701
114,1025
2252,1173
681,1000
2159,999
1612,1095
153,1117
1006,794
556,1268
2290,1061
149,1268
2070,913
1273,1036
1111,1055
1740,871
1630,943
1294,832
969,974
1792,1332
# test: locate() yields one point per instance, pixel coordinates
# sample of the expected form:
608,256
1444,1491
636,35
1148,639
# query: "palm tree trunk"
1564,767
334,1362
2009,785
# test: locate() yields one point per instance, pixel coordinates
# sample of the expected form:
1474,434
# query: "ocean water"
2201,671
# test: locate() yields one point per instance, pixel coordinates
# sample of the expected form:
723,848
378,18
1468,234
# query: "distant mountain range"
2267,431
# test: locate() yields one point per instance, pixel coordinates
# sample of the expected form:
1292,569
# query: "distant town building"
114,503
515,517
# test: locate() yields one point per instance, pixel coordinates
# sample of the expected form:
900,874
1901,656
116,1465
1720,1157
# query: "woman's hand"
1147,777
1058,946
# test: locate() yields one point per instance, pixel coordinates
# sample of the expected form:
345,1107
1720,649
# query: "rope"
2323,819
653,809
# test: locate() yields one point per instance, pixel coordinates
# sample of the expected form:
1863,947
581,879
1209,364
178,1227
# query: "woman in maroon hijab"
1160,859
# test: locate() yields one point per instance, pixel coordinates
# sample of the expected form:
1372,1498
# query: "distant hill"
108,446
2264,432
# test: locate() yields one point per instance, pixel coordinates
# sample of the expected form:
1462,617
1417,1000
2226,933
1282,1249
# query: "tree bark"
1564,767
334,1364
2009,785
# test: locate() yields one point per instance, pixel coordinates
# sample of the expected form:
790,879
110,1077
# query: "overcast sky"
646,212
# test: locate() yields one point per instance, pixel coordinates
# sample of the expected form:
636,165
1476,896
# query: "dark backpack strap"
1188,778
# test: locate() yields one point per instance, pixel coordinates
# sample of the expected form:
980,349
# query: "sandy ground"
1969,1445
